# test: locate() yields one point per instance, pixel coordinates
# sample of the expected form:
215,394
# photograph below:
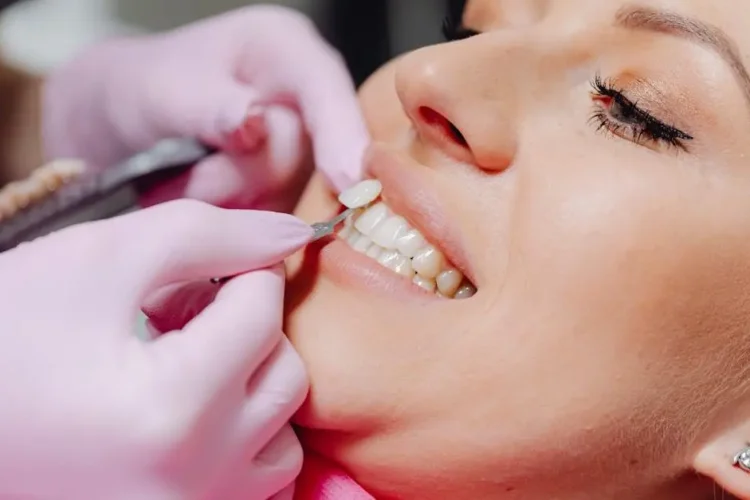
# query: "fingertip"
237,108
189,240
343,176
287,230
342,163
339,181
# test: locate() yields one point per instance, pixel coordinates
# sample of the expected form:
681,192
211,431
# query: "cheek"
381,106
606,283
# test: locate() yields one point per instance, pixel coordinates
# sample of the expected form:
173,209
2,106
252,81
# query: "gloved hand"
89,411
239,81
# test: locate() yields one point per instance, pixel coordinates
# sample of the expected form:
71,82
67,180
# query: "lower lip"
350,268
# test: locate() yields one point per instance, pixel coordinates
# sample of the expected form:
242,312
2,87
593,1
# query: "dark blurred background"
370,32
40,34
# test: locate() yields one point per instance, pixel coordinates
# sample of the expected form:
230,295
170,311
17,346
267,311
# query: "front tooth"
448,281
388,257
353,237
361,194
411,243
374,251
362,243
369,220
428,262
425,283
349,221
388,232
465,291
402,266
346,231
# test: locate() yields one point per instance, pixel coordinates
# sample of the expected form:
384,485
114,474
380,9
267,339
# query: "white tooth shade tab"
389,239
361,194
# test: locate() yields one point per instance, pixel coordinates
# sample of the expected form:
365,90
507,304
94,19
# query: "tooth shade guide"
42,182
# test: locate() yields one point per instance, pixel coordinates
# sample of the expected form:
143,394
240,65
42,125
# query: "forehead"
731,16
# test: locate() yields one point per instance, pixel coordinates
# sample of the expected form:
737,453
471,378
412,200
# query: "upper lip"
407,191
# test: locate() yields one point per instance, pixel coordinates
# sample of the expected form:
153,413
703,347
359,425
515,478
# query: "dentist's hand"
90,411
255,82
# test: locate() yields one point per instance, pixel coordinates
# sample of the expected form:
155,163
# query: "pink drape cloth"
321,480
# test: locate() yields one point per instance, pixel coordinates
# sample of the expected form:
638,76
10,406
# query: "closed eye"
617,114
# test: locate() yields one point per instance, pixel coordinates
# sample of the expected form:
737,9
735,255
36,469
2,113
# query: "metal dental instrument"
104,194
326,228
320,230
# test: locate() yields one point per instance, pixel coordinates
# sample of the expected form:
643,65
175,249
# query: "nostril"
435,119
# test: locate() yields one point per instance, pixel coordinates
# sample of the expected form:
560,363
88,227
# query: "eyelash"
625,118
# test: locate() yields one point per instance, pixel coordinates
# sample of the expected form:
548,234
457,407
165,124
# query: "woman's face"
585,164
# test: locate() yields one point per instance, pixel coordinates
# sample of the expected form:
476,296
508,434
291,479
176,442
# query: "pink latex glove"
239,81
89,411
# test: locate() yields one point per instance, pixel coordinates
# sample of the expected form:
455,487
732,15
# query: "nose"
462,102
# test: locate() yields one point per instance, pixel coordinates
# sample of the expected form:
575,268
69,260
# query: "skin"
605,354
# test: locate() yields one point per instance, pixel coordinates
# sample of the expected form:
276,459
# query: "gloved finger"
329,107
277,465
275,392
270,475
316,78
214,115
231,338
287,494
240,181
174,306
188,240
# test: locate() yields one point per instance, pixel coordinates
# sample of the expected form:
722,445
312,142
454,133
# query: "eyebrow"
670,23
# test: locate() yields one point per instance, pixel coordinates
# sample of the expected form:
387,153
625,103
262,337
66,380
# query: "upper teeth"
388,238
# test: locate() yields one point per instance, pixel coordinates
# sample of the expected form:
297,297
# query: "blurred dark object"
6,3
360,30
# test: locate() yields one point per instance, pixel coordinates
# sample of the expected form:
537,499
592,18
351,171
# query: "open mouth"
374,230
